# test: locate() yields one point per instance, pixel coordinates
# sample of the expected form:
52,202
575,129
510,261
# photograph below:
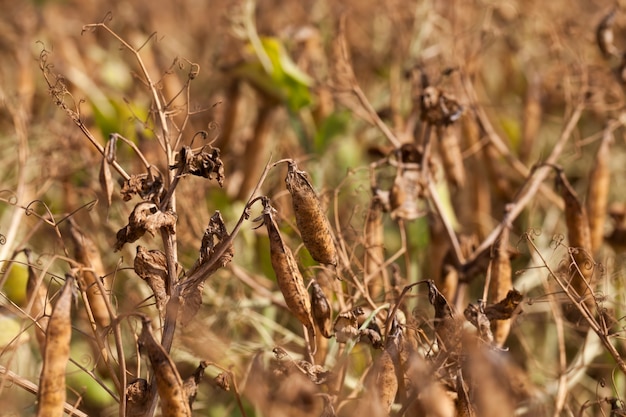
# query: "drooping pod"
288,276
501,283
51,395
174,402
579,237
310,218
598,191
450,151
321,310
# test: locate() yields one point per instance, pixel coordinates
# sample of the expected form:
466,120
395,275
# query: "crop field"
313,208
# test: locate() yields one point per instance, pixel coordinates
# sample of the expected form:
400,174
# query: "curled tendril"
87,206
28,211
194,70
3,239
557,240
203,134
12,200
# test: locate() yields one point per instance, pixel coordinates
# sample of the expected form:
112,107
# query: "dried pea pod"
598,191
321,310
288,275
501,283
51,395
174,401
579,236
310,218
451,156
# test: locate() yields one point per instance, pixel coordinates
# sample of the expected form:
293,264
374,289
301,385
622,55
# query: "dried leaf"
221,380
605,37
145,217
202,164
190,386
106,180
174,401
137,397
51,395
476,315
288,275
346,326
439,108
151,266
310,218
406,194
88,254
146,186
505,308
321,310
446,326
215,238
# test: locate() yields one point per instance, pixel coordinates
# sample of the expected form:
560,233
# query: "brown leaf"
202,164
604,35
146,186
151,266
346,326
190,385
446,325
505,308
476,315
145,217
137,397
439,108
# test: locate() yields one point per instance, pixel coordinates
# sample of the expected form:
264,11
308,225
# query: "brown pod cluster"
310,218
174,401
288,275
51,395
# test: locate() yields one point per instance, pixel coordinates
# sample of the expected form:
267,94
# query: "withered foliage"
201,164
147,186
145,217
151,266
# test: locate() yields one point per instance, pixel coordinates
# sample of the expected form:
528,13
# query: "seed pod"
501,283
321,310
531,117
386,380
38,299
310,218
287,273
451,156
375,277
174,402
598,191
51,395
88,255
446,326
578,235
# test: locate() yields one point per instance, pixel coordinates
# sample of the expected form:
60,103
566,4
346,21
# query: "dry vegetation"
319,208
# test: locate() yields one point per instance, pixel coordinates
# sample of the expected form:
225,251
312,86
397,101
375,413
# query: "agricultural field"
313,208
